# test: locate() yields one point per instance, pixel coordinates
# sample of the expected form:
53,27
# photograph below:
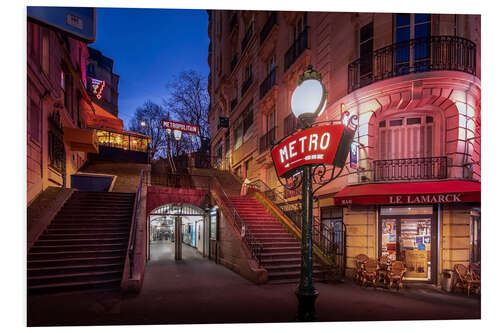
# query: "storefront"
429,226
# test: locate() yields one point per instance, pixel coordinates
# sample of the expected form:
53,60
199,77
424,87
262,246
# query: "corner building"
411,185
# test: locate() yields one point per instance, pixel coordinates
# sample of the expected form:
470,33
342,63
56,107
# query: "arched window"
409,136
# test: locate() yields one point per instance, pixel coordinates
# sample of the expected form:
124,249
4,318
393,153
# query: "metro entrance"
175,225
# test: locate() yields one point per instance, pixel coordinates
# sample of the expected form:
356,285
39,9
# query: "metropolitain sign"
323,144
174,125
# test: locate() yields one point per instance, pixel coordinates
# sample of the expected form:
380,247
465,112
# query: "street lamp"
143,123
177,135
308,102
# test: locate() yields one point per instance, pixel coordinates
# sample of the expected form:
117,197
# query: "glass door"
408,238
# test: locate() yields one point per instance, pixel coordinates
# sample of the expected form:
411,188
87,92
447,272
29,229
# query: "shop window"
406,234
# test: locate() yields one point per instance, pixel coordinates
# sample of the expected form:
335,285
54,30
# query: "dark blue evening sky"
148,47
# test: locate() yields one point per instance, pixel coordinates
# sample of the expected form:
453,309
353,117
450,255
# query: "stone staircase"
281,255
84,247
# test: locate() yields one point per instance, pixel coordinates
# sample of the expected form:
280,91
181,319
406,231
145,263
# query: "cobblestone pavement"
197,290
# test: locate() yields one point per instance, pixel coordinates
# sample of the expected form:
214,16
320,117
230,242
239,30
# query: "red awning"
448,191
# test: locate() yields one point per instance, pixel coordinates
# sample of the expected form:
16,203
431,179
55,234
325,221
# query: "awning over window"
423,193
81,139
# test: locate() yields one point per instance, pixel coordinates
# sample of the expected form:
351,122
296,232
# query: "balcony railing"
434,53
267,140
234,62
298,46
246,39
246,85
271,21
411,168
234,102
268,83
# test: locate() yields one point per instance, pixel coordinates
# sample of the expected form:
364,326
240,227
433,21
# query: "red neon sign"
324,144
173,125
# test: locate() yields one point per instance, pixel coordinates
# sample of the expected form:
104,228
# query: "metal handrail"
131,245
255,247
292,210
323,235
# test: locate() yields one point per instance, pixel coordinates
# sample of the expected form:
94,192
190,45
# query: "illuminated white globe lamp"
143,123
169,131
177,135
309,97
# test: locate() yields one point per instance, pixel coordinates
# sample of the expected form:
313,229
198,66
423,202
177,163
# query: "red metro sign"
174,125
323,144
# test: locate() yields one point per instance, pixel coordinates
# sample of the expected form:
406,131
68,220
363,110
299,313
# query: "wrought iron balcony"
268,83
246,85
267,140
234,62
271,21
234,102
297,48
436,53
411,168
246,38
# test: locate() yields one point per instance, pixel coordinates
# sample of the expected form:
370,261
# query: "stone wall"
361,233
455,233
233,254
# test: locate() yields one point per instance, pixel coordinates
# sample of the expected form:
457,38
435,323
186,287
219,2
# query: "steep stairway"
84,247
281,254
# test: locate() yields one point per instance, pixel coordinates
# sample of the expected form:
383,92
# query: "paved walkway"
196,290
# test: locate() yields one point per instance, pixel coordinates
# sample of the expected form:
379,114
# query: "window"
226,142
406,137
475,237
299,26
271,63
248,119
45,53
270,120
366,52
238,133
291,124
35,122
415,27
57,153
34,33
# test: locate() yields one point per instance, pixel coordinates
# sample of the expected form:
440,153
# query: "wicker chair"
370,273
396,274
384,264
465,280
360,260
475,270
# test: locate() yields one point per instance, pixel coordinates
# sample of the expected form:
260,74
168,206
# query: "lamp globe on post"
308,102
177,135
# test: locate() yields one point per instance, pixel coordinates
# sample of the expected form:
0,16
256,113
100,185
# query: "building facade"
411,185
57,141
102,83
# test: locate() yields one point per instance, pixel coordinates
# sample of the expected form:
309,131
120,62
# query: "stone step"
62,262
86,230
81,241
68,269
79,247
74,277
107,284
69,234
76,254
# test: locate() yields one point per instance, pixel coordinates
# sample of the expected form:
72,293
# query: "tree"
188,102
147,120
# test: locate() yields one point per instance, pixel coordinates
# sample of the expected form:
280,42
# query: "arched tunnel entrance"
179,230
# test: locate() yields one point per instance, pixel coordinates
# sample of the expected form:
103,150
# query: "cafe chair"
465,280
396,274
384,264
359,260
370,273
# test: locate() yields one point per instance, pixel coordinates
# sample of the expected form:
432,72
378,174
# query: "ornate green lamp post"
315,155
